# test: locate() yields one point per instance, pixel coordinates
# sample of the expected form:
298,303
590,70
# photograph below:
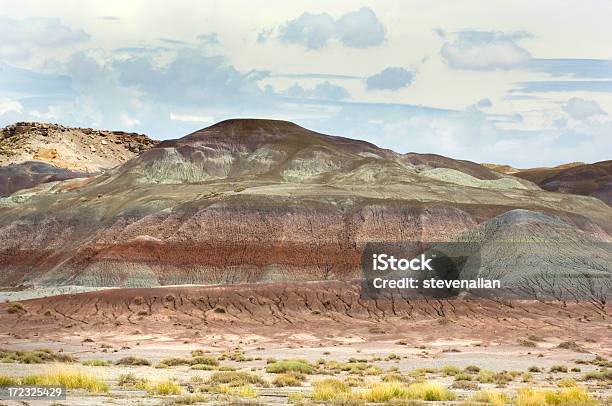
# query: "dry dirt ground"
326,324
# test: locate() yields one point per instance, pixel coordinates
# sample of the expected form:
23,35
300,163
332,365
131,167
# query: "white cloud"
357,29
581,109
128,121
391,78
190,118
483,50
20,38
8,105
324,90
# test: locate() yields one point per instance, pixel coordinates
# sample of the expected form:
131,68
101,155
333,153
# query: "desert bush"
485,376
328,389
494,398
295,365
212,361
175,361
39,356
202,367
188,400
566,383
558,368
235,379
130,380
472,369
395,377
288,379
96,363
571,345
465,385
15,308
462,376
602,375
163,388
386,391
133,361
534,368
450,370
528,343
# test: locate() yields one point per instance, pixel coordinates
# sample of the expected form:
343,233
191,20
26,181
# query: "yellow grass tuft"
564,397
328,389
70,378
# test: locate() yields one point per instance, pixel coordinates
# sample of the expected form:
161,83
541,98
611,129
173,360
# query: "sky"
525,83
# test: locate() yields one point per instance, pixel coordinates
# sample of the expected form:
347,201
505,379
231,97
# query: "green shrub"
472,369
295,365
175,361
558,368
133,361
202,367
450,370
39,356
202,360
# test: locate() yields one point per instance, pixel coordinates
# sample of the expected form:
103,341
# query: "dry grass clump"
234,379
527,343
572,345
188,400
96,363
386,391
15,308
163,388
604,375
329,389
494,398
288,379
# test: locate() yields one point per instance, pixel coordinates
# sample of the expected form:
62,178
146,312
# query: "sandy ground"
113,324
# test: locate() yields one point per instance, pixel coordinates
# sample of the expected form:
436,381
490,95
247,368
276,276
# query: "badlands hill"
257,200
35,153
575,178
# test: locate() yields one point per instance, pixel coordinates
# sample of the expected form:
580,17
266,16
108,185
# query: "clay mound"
270,150
576,178
538,255
16,177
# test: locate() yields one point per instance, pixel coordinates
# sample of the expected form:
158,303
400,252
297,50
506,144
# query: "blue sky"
524,83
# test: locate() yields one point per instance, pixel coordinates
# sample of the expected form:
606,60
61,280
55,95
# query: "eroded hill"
253,201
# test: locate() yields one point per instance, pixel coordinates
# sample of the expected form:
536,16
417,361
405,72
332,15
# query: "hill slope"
252,201
586,179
